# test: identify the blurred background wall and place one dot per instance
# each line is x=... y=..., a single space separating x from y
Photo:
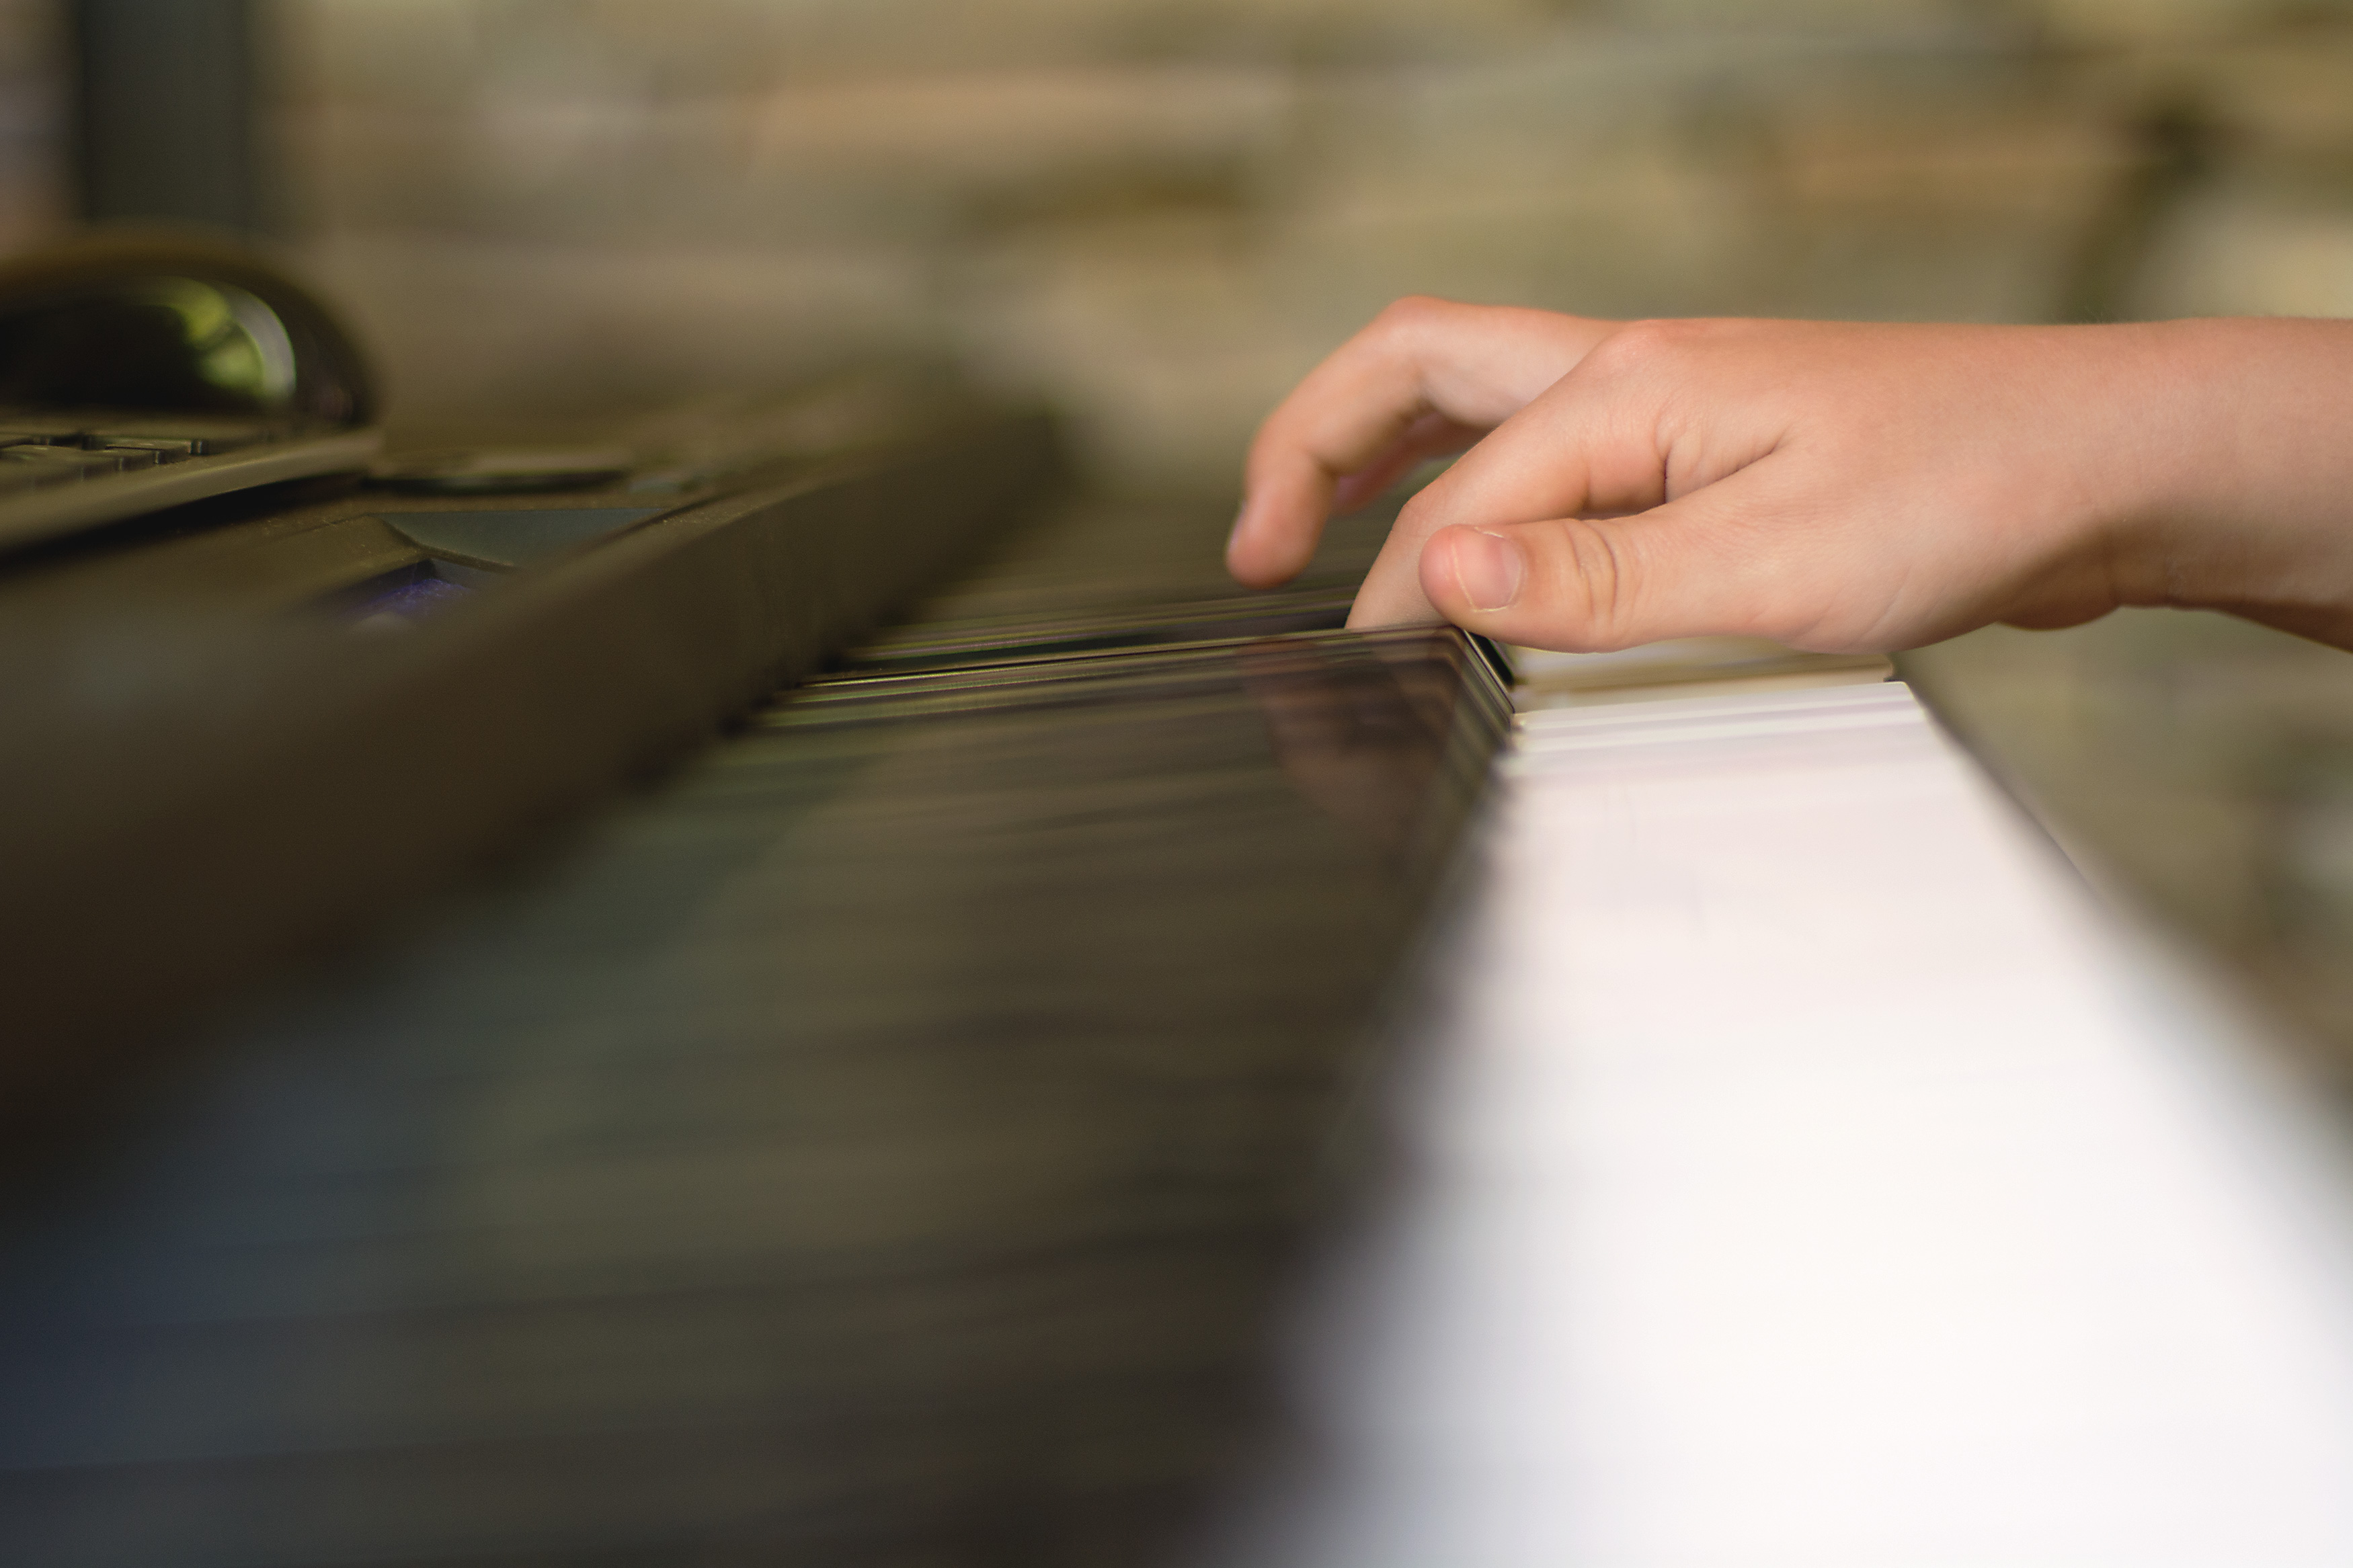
x=1159 y=213
x=36 y=184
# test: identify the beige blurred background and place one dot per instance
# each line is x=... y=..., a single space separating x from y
x=1159 y=213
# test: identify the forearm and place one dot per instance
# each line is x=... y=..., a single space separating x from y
x=2246 y=489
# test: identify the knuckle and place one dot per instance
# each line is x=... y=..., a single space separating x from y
x=1409 y=310
x=1411 y=317
x=1649 y=345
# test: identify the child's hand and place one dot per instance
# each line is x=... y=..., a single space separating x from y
x=1831 y=486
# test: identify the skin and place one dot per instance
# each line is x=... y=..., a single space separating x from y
x=1838 y=487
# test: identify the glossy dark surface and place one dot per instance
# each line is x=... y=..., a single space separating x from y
x=208 y=776
x=880 y=1143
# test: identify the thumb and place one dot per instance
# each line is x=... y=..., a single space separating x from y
x=1690 y=568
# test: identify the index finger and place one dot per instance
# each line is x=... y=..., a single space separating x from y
x=1426 y=376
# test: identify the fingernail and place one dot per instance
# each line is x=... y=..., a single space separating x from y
x=1490 y=568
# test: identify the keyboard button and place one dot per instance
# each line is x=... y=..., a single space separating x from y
x=203 y=437
x=67 y=462
x=158 y=450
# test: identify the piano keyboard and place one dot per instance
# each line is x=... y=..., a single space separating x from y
x=902 y=1133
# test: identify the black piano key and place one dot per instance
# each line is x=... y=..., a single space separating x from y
x=880 y=1144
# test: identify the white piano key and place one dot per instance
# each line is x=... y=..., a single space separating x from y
x=1803 y=1170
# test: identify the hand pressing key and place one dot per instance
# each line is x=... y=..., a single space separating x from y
x=1837 y=486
